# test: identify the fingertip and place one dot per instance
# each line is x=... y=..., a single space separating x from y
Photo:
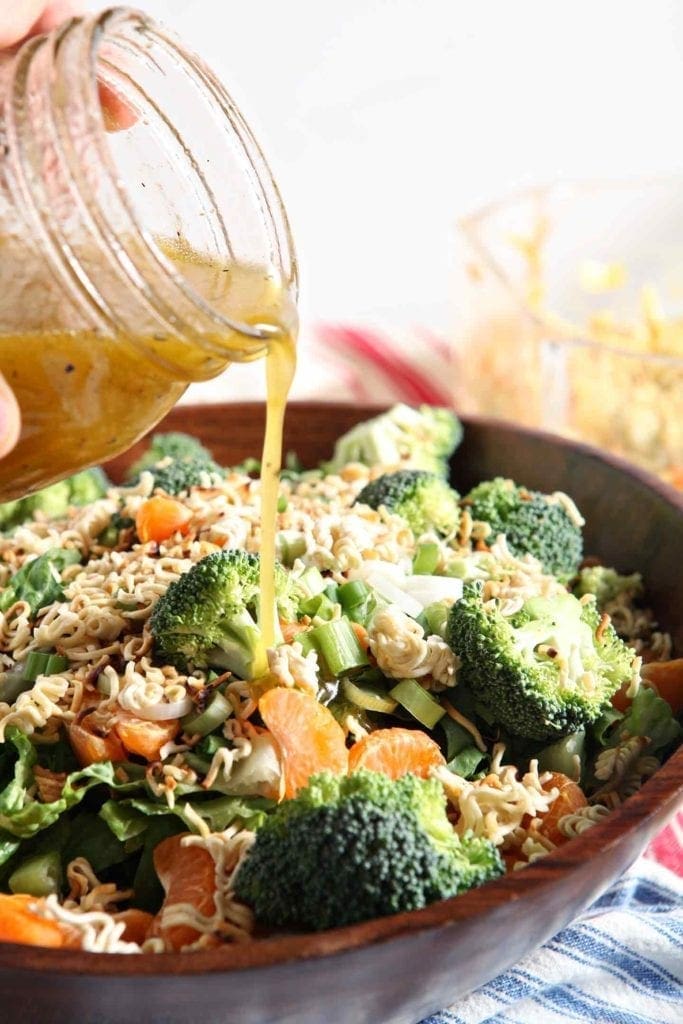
x=10 y=419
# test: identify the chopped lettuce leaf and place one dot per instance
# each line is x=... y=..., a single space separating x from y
x=649 y=716
x=38 y=581
x=20 y=814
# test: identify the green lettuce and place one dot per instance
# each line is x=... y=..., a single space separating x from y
x=38 y=582
x=649 y=716
x=21 y=815
x=129 y=818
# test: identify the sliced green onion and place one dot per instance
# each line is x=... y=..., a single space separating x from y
x=109 y=537
x=457 y=568
x=426 y=559
x=307 y=642
x=311 y=581
x=418 y=702
x=35 y=665
x=369 y=698
x=318 y=607
x=291 y=545
x=339 y=646
x=56 y=663
x=357 y=600
x=103 y=684
x=282 y=503
x=214 y=714
x=353 y=593
x=435 y=618
x=332 y=591
x=40 y=875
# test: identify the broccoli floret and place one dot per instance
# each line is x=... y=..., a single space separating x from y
x=424 y=499
x=607 y=585
x=533 y=523
x=546 y=671
x=88 y=485
x=349 y=848
x=423 y=438
x=209 y=616
x=177 y=462
x=172 y=445
x=53 y=502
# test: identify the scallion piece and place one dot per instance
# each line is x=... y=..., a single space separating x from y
x=40 y=875
x=435 y=618
x=353 y=593
x=339 y=646
x=318 y=607
x=332 y=591
x=35 y=665
x=369 y=698
x=214 y=714
x=426 y=559
x=56 y=664
x=291 y=545
x=418 y=702
x=306 y=640
x=311 y=581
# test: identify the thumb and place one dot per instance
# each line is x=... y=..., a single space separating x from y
x=10 y=418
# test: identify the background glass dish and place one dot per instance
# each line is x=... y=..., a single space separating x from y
x=570 y=307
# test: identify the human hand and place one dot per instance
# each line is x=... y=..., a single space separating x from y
x=22 y=18
x=19 y=19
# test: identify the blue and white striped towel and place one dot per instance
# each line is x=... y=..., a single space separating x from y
x=621 y=963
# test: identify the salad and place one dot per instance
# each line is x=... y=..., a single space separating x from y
x=455 y=692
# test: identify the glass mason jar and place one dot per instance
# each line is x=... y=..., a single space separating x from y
x=143 y=241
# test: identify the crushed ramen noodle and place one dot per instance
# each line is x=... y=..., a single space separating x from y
x=435 y=707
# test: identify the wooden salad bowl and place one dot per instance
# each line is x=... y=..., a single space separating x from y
x=394 y=970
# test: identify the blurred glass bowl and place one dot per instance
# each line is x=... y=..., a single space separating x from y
x=570 y=303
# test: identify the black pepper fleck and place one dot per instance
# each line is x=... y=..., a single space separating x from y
x=69 y=368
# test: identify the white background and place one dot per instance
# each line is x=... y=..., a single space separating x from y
x=384 y=120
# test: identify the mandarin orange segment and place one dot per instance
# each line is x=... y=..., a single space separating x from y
x=90 y=747
x=159 y=518
x=20 y=923
x=188 y=875
x=396 y=752
x=137 y=922
x=142 y=737
x=308 y=736
x=570 y=798
x=666 y=678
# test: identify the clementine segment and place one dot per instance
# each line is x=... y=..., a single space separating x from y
x=137 y=922
x=396 y=752
x=308 y=736
x=570 y=799
x=142 y=737
x=89 y=746
x=188 y=875
x=19 y=923
x=159 y=518
x=666 y=678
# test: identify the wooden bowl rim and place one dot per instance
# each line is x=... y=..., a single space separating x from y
x=631 y=816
